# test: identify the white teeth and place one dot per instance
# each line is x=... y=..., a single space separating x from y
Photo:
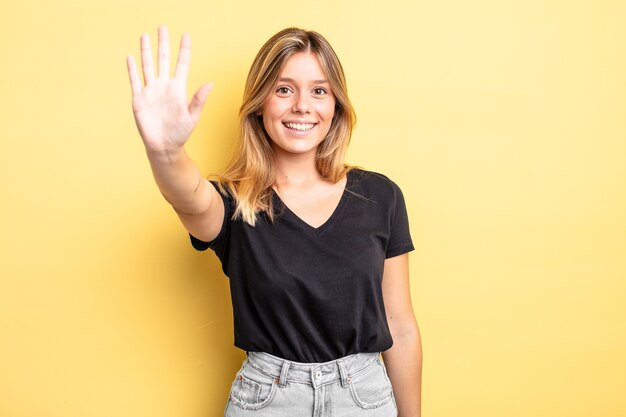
x=300 y=126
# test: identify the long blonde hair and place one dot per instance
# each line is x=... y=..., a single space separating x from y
x=250 y=174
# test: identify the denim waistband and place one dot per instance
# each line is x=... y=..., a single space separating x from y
x=316 y=374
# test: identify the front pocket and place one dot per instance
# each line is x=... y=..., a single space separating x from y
x=371 y=388
x=252 y=390
x=246 y=391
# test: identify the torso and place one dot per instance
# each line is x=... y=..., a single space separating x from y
x=314 y=294
x=313 y=204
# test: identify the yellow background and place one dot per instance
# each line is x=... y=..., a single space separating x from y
x=503 y=122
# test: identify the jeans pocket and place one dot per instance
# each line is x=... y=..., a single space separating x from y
x=252 y=389
x=371 y=388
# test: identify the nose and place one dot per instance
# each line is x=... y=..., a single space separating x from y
x=301 y=103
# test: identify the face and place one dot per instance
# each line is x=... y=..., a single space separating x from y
x=298 y=114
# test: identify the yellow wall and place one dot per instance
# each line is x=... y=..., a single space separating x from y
x=503 y=122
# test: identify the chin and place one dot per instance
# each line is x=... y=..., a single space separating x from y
x=296 y=149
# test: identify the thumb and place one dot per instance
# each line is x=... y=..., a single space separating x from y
x=198 y=100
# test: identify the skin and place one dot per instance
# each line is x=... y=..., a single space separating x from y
x=303 y=96
x=404 y=359
x=165 y=120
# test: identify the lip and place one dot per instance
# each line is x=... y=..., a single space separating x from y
x=307 y=122
x=299 y=132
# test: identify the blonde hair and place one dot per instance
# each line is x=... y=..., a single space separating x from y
x=250 y=174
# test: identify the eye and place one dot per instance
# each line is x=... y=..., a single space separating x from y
x=283 y=91
x=319 y=91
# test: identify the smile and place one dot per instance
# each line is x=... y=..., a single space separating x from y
x=301 y=127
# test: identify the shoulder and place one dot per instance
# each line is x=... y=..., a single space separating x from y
x=373 y=182
x=224 y=189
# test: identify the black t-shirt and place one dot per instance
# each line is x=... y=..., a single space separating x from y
x=314 y=294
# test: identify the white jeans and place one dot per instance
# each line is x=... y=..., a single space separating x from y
x=268 y=386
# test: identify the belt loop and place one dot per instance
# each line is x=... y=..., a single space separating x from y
x=282 y=381
x=344 y=373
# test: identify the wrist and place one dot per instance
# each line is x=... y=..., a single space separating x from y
x=166 y=154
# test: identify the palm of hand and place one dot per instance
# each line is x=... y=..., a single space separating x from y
x=164 y=118
x=162 y=115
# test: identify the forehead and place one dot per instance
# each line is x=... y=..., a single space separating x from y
x=303 y=66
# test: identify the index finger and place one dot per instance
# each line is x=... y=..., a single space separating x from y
x=184 y=57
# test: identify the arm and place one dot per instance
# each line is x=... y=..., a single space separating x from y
x=404 y=359
x=165 y=121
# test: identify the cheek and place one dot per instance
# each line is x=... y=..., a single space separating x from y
x=268 y=115
x=269 y=106
x=269 y=127
x=327 y=109
x=329 y=112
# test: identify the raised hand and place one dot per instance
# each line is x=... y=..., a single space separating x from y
x=163 y=116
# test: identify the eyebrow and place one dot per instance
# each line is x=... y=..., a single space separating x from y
x=291 y=80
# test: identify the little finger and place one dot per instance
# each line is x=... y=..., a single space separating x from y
x=135 y=81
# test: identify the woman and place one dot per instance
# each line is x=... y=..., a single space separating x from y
x=316 y=251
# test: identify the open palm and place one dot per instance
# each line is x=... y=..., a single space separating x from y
x=163 y=116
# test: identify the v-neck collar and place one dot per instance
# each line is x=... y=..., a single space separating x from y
x=286 y=212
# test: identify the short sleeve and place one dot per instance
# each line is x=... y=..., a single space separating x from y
x=400 y=235
x=220 y=244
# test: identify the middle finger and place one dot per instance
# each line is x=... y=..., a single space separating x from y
x=164 y=53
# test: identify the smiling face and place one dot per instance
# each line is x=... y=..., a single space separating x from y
x=298 y=113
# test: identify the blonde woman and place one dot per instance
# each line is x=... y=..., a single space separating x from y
x=316 y=251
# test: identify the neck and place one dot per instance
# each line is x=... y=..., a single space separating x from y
x=296 y=169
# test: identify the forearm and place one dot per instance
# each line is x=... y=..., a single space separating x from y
x=180 y=181
x=404 y=367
